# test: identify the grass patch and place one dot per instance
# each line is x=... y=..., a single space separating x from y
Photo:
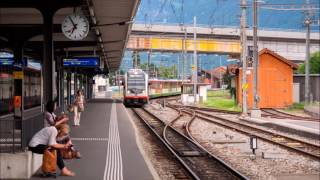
x=295 y=107
x=221 y=100
x=300 y=106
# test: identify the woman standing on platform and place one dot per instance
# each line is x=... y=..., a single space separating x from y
x=78 y=107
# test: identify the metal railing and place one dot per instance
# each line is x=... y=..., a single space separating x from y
x=15 y=133
x=10 y=135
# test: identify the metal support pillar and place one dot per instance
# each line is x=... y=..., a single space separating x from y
x=148 y=63
x=86 y=87
x=81 y=82
x=75 y=82
x=307 y=23
x=195 y=63
x=243 y=37
x=178 y=67
x=18 y=90
x=18 y=78
x=47 y=65
x=255 y=54
x=61 y=84
x=135 y=65
x=184 y=61
x=69 y=87
x=255 y=112
x=89 y=87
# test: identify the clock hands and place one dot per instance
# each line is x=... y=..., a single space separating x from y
x=73 y=29
x=72 y=21
x=74 y=25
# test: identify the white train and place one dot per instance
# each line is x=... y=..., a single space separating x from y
x=135 y=90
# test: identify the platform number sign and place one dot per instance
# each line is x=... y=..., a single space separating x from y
x=75 y=27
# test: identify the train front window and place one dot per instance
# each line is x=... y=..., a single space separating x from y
x=136 y=83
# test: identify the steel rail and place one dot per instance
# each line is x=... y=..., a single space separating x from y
x=167 y=146
x=184 y=159
x=282 y=115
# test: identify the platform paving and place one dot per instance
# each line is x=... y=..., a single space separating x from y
x=107 y=142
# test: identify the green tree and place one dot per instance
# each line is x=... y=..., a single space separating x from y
x=168 y=72
x=314 y=64
x=152 y=67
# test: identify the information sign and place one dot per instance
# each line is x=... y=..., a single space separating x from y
x=6 y=61
x=81 y=62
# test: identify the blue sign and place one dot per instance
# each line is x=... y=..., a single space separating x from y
x=9 y=61
x=81 y=62
x=6 y=61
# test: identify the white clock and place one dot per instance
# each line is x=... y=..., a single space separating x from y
x=75 y=27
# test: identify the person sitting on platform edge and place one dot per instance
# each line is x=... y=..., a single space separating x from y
x=45 y=138
x=52 y=120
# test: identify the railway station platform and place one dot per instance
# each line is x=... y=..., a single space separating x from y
x=107 y=142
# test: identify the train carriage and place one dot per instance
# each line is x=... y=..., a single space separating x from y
x=164 y=87
x=135 y=88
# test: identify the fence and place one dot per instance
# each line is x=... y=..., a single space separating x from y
x=314 y=86
x=15 y=133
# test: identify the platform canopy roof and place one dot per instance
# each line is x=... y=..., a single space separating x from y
x=110 y=25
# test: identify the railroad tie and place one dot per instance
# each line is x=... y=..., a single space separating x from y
x=192 y=153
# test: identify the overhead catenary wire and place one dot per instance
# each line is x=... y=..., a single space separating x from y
x=211 y=19
x=161 y=8
x=173 y=10
x=182 y=12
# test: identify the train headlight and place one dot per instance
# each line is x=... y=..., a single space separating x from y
x=128 y=92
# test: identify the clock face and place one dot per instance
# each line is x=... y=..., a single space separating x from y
x=75 y=27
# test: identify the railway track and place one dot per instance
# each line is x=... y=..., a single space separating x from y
x=292 y=144
x=206 y=109
x=266 y=112
x=198 y=162
x=282 y=115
